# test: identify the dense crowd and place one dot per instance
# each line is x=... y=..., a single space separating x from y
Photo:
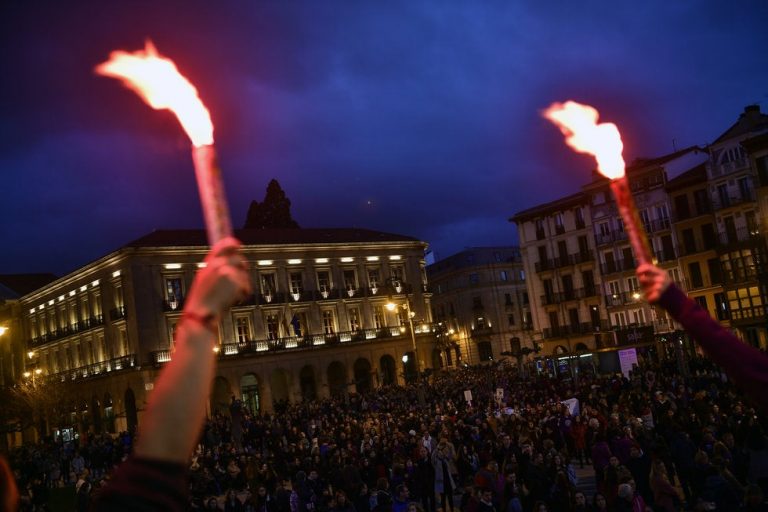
x=658 y=441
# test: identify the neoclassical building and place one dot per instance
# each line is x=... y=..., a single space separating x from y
x=317 y=324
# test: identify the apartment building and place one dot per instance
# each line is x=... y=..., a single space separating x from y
x=317 y=325
x=732 y=178
x=482 y=305
x=558 y=250
x=701 y=210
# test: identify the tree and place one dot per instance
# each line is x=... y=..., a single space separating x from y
x=273 y=212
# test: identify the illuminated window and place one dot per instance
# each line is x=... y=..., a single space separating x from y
x=243 y=329
x=272 y=327
x=354 y=319
x=296 y=283
x=329 y=324
x=378 y=317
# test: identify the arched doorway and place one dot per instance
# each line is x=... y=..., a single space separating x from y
x=109 y=414
x=387 y=367
x=337 y=378
x=221 y=395
x=307 y=383
x=363 y=375
x=131 y=417
x=410 y=370
x=279 y=385
x=98 y=427
x=485 y=351
x=581 y=347
x=437 y=359
x=249 y=389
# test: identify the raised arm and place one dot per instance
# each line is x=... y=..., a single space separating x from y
x=744 y=364
x=177 y=405
x=154 y=477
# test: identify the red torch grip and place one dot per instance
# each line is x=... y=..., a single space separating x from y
x=218 y=223
x=632 y=224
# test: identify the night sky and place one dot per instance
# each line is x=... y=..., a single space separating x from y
x=415 y=117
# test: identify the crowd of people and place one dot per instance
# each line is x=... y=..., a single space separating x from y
x=657 y=441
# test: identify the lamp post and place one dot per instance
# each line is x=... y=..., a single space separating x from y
x=391 y=306
x=3 y=330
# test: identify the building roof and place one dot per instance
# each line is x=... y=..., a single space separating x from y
x=751 y=120
x=15 y=285
x=197 y=237
x=643 y=163
x=693 y=176
x=553 y=206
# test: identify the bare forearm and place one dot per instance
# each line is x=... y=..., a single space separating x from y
x=177 y=405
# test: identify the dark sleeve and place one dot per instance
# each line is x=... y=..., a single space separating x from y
x=746 y=365
x=145 y=485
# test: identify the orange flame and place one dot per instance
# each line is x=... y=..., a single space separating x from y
x=579 y=125
x=157 y=80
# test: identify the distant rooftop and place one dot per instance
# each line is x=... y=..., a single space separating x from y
x=750 y=121
x=197 y=237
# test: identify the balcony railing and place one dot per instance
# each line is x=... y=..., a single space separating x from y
x=117 y=313
x=351 y=292
x=69 y=330
x=738 y=237
x=658 y=225
x=666 y=255
x=568 y=295
x=719 y=203
x=96 y=369
x=566 y=261
x=623 y=298
x=610 y=237
x=622 y=265
x=575 y=330
x=311 y=341
x=729 y=167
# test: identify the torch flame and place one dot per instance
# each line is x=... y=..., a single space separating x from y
x=579 y=125
x=157 y=80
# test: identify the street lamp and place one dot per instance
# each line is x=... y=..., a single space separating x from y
x=391 y=306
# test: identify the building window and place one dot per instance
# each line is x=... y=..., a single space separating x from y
x=174 y=292
x=474 y=278
x=103 y=347
x=695 y=272
x=702 y=302
x=297 y=286
x=350 y=280
x=508 y=299
x=329 y=324
x=273 y=327
x=243 y=329
x=503 y=275
x=715 y=272
x=268 y=284
x=477 y=303
x=373 y=278
x=559 y=226
x=324 y=283
x=579 y=214
x=125 y=349
x=497 y=257
x=485 y=351
x=354 y=319
x=522 y=275
x=398 y=274
x=721 y=305
x=172 y=324
x=378 y=317
x=511 y=319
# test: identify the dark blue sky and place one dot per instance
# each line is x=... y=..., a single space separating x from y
x=416 y=117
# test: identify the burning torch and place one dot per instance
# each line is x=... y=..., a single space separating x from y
x=582 y=132
x=158 y=82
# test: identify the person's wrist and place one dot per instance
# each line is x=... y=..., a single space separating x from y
x=205 y=319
